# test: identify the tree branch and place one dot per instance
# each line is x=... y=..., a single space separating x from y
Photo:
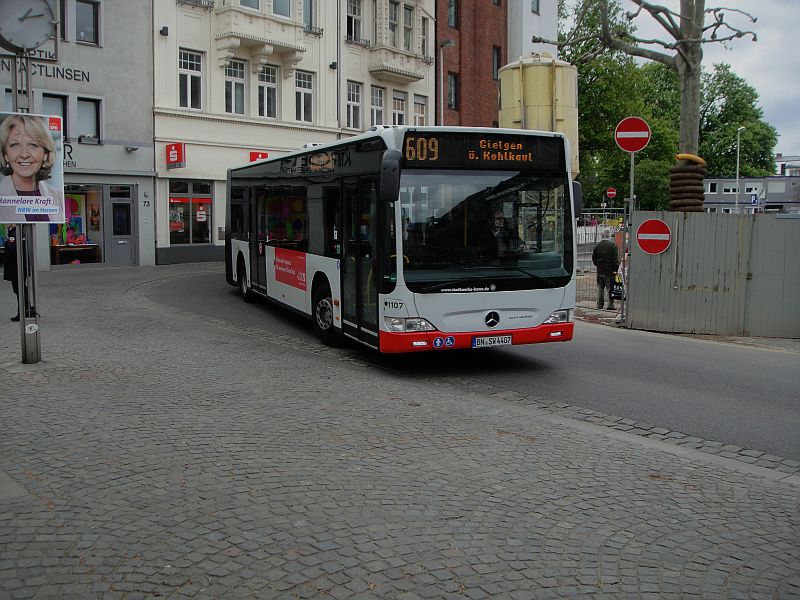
x=617 y=44
x=671 y=21
x=662 y=14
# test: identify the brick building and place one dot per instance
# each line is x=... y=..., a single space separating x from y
x=472 y=43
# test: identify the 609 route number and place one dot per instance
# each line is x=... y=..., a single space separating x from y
x=422 y=148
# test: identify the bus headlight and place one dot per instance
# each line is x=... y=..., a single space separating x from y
x=559 y=316
x=401 y=325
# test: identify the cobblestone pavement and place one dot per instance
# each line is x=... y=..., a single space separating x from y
x=155 y=454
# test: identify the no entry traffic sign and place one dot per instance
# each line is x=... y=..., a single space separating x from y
x=611 y=192
x=653 y=236
x=632 y=134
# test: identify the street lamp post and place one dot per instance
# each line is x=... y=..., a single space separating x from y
x=445 y=44
x=738 y=138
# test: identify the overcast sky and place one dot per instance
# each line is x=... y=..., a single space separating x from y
x=771 y=65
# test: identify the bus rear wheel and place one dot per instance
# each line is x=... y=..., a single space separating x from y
x=322 y=317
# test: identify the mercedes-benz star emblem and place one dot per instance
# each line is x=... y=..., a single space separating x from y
x=492 y=319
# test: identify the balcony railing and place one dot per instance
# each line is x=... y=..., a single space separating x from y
x=311 y=30
x=204 y=4
x=350 y=39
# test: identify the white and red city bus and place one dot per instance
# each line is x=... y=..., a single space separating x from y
x=412 y=238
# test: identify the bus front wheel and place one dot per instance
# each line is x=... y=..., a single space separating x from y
x=322 y=317
x=244 y=289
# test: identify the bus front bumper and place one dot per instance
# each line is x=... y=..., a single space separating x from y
x=438 y=340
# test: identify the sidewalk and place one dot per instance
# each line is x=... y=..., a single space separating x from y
x=611 y=318
x=155 y=454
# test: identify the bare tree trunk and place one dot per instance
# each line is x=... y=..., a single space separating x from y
x=690 y=107
x=689 y=59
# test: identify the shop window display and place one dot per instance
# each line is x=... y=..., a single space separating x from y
x=190 y=212
x=80 y=238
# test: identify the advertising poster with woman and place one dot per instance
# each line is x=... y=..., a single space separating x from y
x=31 y=165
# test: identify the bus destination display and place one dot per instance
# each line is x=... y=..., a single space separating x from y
x=477 y=150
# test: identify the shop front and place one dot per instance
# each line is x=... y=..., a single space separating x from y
x=99 y=228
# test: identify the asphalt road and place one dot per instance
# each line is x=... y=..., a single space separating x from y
x=740 y=395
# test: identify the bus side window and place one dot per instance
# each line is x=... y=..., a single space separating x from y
x=333 y=221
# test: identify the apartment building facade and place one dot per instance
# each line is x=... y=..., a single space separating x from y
x=776 y=193
x=241 y=80
x=528 y=18
x=97 y=75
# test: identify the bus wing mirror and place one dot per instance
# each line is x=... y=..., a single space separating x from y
x=390 y=175
x=577 y=199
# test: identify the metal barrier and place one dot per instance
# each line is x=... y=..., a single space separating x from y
x=586 y=272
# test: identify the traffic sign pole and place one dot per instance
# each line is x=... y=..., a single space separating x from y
x=628 y=216
x=631 y=135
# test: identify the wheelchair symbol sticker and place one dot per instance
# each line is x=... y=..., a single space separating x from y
x=449 y=341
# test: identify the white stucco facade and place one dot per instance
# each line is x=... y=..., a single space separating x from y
x=226 y=83
x=527 y=18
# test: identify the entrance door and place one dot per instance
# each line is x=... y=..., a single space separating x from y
x=359 y=263
x=258 y=256
x=121 y=247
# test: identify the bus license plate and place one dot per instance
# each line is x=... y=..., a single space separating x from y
x=492 y=340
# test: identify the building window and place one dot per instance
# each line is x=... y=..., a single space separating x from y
x=309 y=18
x=423 y=48
x=190 y=205
x=399 y=102
x=88 y=118
x=353 y=105
x=408 y=28
x=254 y=4
x=56 y=105
x=282 y=8
x=420 y=108
x=234 y=86
x=268 y=92
x=452 y=91
x=377 y=105
x=62 y=30
x=394 y=18
x=535 y=7
x=87 y=21
x=303 y=96
x=712 y=187
x=452 y=13
x=354 y=20
x=190 y=79
x=496 y=59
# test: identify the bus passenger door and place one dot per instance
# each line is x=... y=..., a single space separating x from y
x=258 y=248
x=359 y=264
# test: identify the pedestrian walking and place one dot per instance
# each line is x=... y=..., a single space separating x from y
x=10 y=265
x=606 y=258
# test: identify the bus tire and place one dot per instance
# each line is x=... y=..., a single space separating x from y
x=322 y=317
x=241 y=277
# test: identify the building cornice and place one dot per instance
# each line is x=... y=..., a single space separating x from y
x=234 y=120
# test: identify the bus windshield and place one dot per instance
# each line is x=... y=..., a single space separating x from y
x=473 y=230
